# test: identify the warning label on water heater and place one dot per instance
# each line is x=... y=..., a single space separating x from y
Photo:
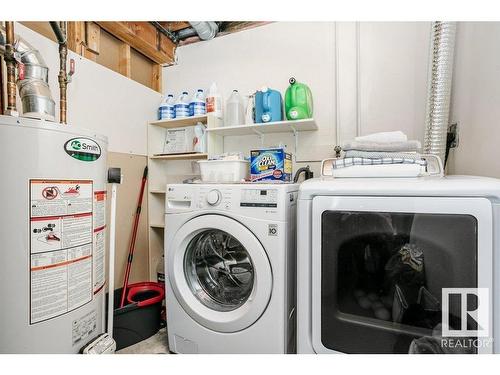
x=61 y=246
x=99 y=240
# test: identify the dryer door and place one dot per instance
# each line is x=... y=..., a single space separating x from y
x=402 y=274
x=219 y=272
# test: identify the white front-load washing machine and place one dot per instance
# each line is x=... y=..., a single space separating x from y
x=230 y=267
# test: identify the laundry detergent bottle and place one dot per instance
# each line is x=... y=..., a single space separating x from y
x=166 y=111
x=197 y=104
x=214 y=101
x=235 y=115
x=268 y=105
x=298 y=101
x=182 y=106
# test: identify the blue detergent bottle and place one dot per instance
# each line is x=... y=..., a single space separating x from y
x=268 y=106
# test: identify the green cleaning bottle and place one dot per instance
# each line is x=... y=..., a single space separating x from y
x=298 y=101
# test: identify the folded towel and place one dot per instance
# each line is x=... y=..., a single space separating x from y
x=349 y=162
x=383 y=137
x=381 y=154
x=383 y=170
x=407 y=146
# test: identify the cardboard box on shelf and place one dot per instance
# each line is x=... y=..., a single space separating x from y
x=272 y=164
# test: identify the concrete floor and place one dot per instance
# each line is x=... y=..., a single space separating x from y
x=156 y=344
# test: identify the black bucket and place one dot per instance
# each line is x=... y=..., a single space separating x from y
x=140 y=318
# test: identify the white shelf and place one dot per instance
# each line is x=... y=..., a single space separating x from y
x=266 y=128
x=180 y=122
x=193 y=156
x=168 y=169
x=157 y=225
x=155 y=191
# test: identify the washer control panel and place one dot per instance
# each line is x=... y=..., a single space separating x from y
x=214 y=197
x=266 y=198
x=264 y=201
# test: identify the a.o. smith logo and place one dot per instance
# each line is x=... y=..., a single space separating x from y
x=84 y=149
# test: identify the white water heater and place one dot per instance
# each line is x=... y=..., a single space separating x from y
x=53 y=235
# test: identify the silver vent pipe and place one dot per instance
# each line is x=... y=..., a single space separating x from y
x=33 y=85
x=441 y=56
x=205 y=30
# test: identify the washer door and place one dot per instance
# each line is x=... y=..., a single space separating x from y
x=219 y=272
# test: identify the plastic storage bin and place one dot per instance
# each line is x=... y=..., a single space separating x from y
x=224 y=170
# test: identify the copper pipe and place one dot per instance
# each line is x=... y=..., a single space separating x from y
x=10 y=62
x=33 y=86
x=60 y=31
x=1 y=87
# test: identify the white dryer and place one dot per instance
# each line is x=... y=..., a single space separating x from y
x=230 y=268
x=399 y=265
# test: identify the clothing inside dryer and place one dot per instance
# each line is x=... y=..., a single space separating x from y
x=383 y=275
x=219 y=270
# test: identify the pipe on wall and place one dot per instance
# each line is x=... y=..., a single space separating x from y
x=33 y=86
x=58 y=32
x=170 y=35
x=10 y=63
x=61 y=33
x=205 y=30
x=441 y=57
x=185 y=33
x=2 y=94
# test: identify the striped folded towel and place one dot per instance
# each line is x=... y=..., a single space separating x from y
x=408 y=146
x=352 y=161
x=382 y=154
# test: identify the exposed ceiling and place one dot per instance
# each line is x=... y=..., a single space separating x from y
x=178 y=28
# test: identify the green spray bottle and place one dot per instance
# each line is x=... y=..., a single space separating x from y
x=298 y=101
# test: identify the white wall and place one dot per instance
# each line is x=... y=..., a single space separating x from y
x=476 y=99
x=365 y=77
x=380 y=70
x=393 y=76
x=267 y=55
x=100 y=99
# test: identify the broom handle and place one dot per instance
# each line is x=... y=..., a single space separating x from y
x=134 y=236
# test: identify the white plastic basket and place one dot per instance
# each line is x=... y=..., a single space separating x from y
x=224 y=170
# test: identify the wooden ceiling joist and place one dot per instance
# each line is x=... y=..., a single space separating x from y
x=175 y=25
x=83 y=38
x=143 y=37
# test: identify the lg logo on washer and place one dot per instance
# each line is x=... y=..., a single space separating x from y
x=84 y=149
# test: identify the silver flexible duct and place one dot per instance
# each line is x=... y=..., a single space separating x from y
x=439 y=87
x=34 y=89
x=205 y=30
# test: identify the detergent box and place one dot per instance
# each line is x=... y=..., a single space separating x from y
x=272 y=164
